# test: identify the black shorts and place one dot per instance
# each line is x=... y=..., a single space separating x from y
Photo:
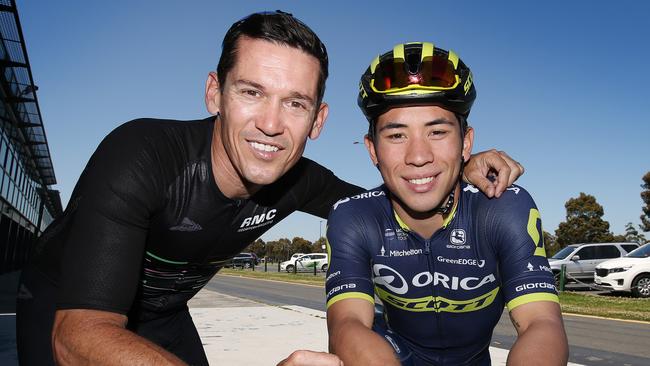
x=35 y=317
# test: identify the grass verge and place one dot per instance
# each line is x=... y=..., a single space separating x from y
x=305 y=278
x=607 y=306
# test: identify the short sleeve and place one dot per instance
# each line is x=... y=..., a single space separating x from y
x=349 y=271
x=518 y=240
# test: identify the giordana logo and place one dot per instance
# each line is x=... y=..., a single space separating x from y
x=361 y=196
x=256 y=221
x=332 y=275
x=395 y=282
x=462 y=261
x=535 y=286
x=458 y=237
x=347 y=286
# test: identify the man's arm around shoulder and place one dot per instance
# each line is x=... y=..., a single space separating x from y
x=93 y=337
x=349 y=324
x=541 y=337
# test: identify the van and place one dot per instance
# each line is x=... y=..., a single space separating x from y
x=630 y=273
x=581 y=259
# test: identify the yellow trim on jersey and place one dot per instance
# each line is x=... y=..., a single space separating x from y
x=538 y=239
x=401 y=223
x=528 y=298
x=329 y=250
x=451 y=215
x=446 y=222
x=436 y=303
x=350 y=295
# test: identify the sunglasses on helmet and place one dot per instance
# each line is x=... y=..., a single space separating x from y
x=405 y=71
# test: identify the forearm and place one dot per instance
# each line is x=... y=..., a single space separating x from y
x=542 y=343
x=356 y=344
x=107 y=344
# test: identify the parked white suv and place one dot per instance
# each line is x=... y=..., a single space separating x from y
x=581 y=259
x=306 y=262
x=630 y=273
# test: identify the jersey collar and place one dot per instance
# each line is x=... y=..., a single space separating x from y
x=449 y=218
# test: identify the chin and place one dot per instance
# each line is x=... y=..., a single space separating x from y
x=263 y=176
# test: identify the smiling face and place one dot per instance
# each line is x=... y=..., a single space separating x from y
x=267 y=111
x=418 y=152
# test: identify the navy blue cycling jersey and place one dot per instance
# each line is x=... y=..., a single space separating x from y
x=442 y=295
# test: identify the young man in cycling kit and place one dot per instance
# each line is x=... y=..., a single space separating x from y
x=443 y=258
x=163 y=204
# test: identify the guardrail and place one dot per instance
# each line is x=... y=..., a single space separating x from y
x=269 y=266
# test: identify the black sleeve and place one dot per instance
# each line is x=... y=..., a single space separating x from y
x=109 y=217
x=318 y=188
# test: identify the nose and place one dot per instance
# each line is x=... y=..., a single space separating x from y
x=269 y=120
x=418 y=152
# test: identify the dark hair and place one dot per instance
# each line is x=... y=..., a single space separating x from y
x=277 y=27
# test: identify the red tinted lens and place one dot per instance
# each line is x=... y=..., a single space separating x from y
x=437 y=71
x=390 y=74
x=434 y=71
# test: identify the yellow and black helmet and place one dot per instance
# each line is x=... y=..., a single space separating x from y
x=416 y=74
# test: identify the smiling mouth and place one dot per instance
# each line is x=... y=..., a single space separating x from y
x=419 y=181
x=263 y=147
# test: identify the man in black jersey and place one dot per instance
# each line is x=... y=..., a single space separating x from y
x=163 y=204
x=443 y=258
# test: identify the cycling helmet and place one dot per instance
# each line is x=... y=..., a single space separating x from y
x=416 y=74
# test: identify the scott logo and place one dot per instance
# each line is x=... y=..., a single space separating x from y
x=258 y=219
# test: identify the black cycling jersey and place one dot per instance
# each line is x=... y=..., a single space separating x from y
x=442 y=295
x=147 y=227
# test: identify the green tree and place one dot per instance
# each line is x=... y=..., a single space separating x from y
x=317 y=247
x=645 y=196
x=584 y=222
x=632 y=235
x=258 y=247
x=279 y=250
x=300 y=245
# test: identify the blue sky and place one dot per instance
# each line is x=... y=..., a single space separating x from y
x=562 y=86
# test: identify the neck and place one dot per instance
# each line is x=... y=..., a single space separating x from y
x=226 y=176
x=424 y=224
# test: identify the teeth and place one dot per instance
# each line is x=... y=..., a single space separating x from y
x=421 y=180
x=264 y=147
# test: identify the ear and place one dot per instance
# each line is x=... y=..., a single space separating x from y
x=370 y=145
x=319 y=121
x=468 y=142
x=212 y=94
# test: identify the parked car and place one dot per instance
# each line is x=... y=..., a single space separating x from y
x=581 y=259
x=630 y=273
x=295 y=256
x=244 y=260
x=306 y=262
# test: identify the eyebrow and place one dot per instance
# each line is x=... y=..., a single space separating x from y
x=437 y=121
x=293 y=94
